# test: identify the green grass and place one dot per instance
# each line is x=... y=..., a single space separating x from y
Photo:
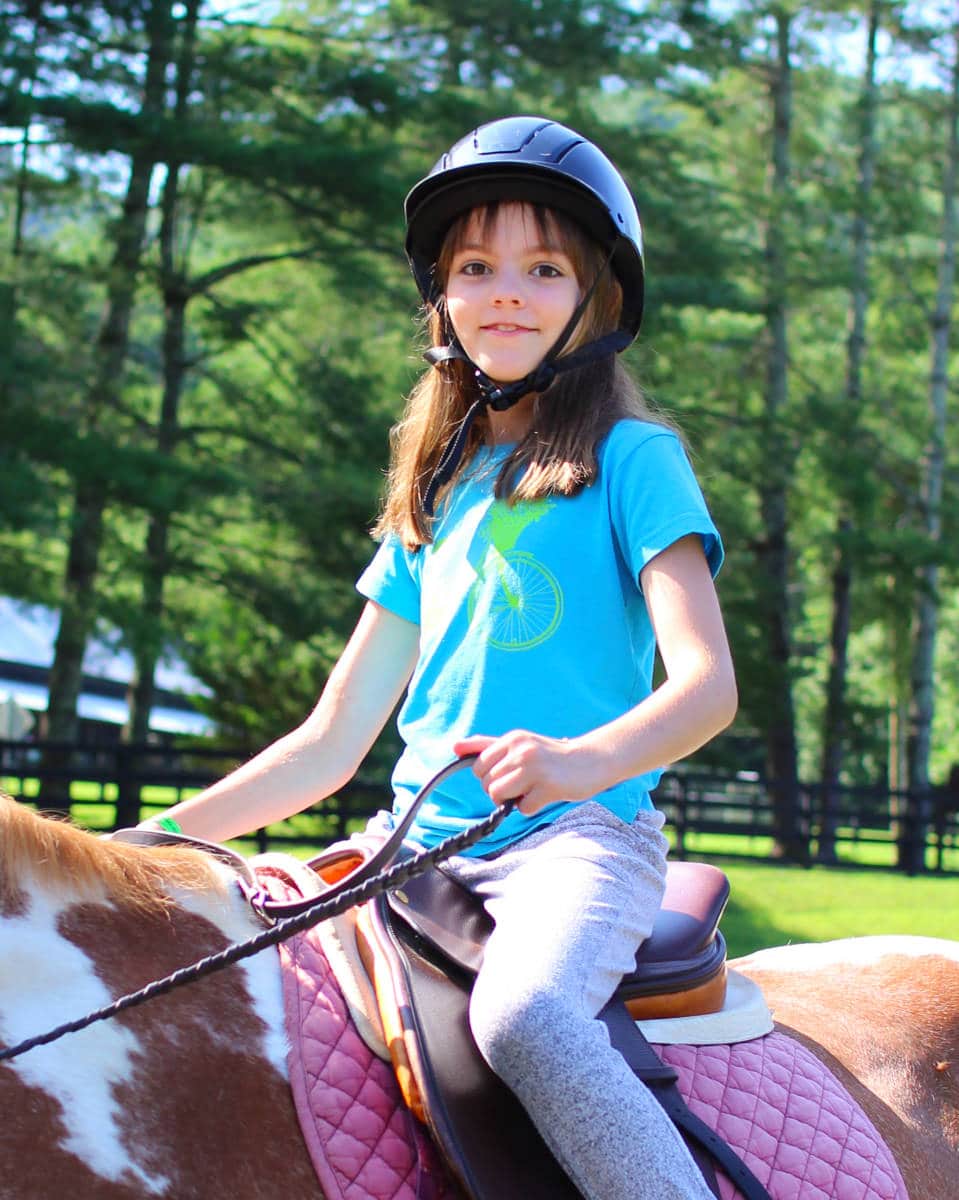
x=94 y=794
x=772 y=905
x=317 y=830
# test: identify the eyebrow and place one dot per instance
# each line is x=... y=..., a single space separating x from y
x=481 y=247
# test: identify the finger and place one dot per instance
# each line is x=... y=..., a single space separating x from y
x=527 y=802
x=493 y=754
x=474 y=744
x=505 y=785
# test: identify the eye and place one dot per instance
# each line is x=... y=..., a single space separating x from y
x=547 y=271
x=473 y=267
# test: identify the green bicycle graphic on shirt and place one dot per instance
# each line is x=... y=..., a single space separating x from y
x=519 y=597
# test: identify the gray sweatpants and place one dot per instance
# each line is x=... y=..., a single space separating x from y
x=571 y=903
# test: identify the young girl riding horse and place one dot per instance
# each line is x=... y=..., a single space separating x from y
x=542 y=536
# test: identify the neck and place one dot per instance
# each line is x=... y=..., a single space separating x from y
x=513 y=424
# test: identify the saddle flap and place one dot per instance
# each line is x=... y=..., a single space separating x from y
x=684 y=951
x=484 y=1133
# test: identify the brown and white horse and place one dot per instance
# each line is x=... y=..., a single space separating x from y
x=187 y=1096
x=883 y=1014
x=183 y=1097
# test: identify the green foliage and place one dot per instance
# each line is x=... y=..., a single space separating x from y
x=258 y=438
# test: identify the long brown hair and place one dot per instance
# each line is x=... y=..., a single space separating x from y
x=569 y=420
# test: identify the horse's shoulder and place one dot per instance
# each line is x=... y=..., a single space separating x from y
x=135 y=1105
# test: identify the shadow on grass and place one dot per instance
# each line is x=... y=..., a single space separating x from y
x=747 y=929
x=748 y=923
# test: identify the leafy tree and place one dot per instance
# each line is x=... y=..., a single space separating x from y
x=848 y=485
x=794 y=214
x=932 y=479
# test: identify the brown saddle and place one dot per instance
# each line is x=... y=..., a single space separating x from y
x=422 y=945
x=680 y=969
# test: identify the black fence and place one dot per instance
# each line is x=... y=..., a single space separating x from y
x=907 y=832
x=134 y=780
x=841 y=826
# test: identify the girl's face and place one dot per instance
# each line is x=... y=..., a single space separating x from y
x=510 y=290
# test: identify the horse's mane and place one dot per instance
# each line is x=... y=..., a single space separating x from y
x=61 y=856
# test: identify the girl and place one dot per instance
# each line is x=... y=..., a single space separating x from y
x=541 y=537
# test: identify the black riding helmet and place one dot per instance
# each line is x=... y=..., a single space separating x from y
x=537 y=161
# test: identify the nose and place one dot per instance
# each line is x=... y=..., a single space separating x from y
x=507 y=290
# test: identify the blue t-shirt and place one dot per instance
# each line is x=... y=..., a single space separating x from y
x=531 y=617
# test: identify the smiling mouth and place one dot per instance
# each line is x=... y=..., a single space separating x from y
x=503 y=327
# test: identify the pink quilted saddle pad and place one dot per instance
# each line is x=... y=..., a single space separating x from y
x=792 y=1122
x=797 y=1128
x=363 y=1141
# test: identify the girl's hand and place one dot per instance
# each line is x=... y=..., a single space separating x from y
x=538 y=770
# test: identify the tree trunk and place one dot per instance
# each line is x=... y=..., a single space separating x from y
x=9 y=288
x=922 y=710
x=148 y=637
x=791 y=837
x=78 y=606
x=834 y=722
x=147 y=632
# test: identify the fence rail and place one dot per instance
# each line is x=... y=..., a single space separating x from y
x=58 y=776
x=132 y=779
x=848 y=819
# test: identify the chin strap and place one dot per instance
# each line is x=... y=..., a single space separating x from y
x=500 y=397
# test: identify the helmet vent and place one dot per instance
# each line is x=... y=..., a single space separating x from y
x=511 y=138
x=557 y=154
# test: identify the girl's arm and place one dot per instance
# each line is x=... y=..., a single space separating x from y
x=696 y=700
x=319 y=756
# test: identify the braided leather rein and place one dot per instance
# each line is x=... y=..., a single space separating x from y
x=333 y=903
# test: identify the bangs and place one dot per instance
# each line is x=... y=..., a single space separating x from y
x=554 y=230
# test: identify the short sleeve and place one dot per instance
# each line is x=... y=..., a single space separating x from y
x=392 y=580
x=654 y=496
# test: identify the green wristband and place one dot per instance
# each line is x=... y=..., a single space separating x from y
x=168 y=824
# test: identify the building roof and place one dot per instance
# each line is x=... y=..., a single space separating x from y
x=27 y=636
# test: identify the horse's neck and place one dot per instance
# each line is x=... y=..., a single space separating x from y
x=135 y=1105
x=66 y=955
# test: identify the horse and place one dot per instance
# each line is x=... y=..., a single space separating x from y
x=188 y=1095
x=882 y=1013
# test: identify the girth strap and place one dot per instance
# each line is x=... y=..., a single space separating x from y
x=705 y=1145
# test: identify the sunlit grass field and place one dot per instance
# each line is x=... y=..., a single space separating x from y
x=770 y=904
